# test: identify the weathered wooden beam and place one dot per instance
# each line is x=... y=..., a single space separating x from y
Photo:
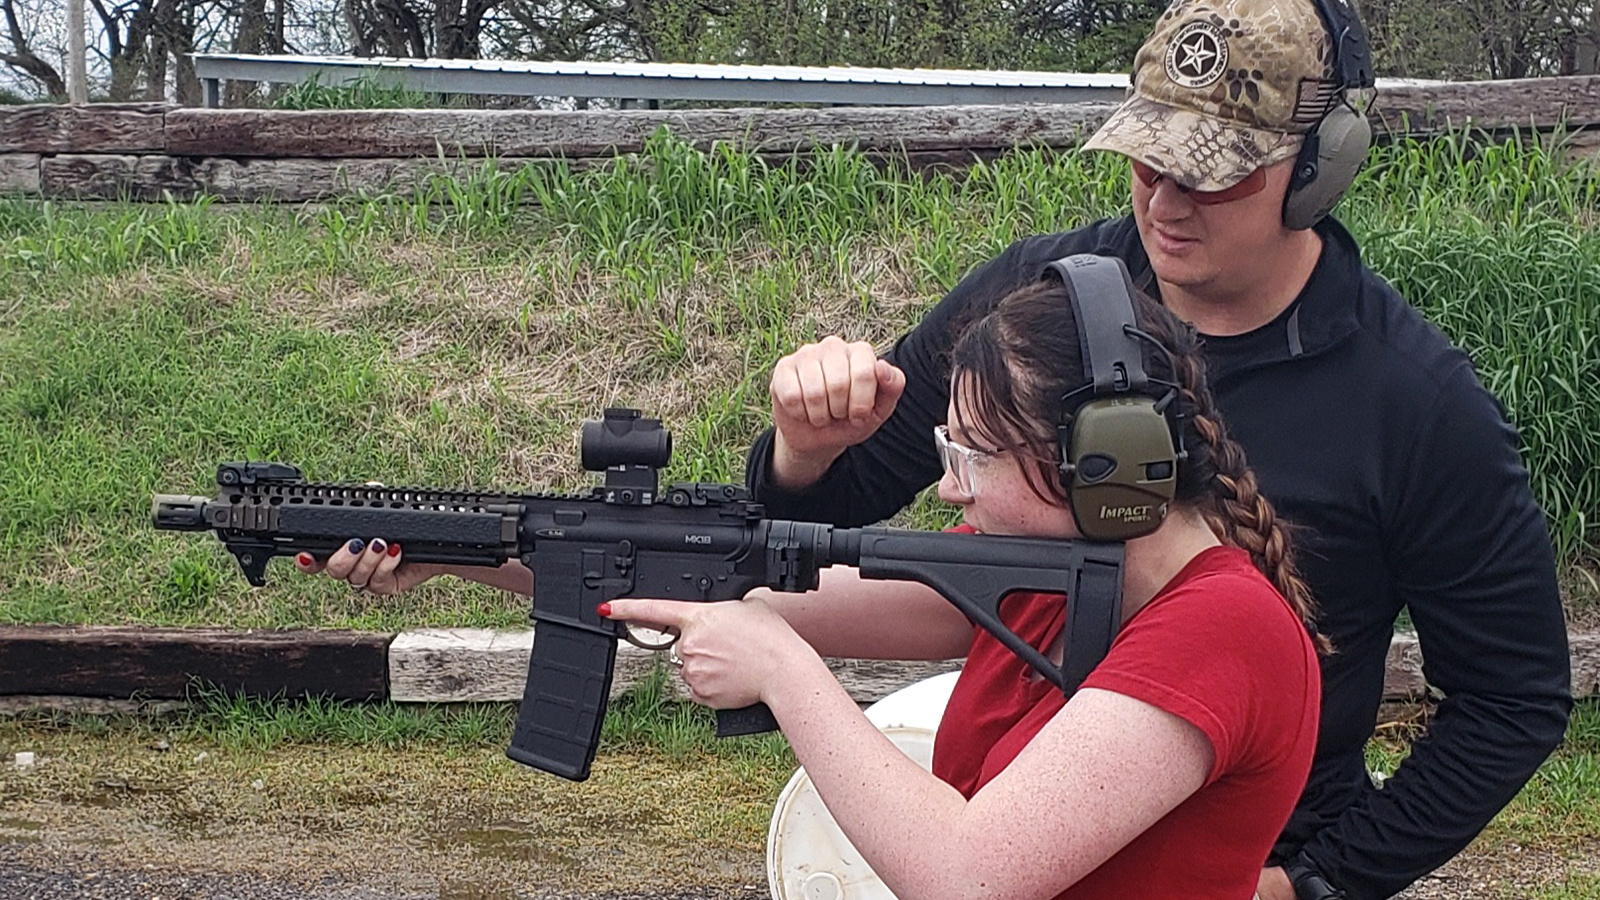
x=19 y=173
x=1403 y=678
x=299 y=180
x=114 y=177
x=1585 y=649
x=430 y=665
x=1537 y=103
x=97 y=128
x=17 y=704
x=571 y=134
x=1577 y=145
x=166 y=662
x=455 y=665
x=101 y=129
x=1542 y=103
x=95 y=176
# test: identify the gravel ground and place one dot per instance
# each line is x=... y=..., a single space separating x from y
x=88 y=877
x=26 y=874
x=106 y=818
x=1509 y=871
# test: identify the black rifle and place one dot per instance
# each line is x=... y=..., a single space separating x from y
x=696 y=541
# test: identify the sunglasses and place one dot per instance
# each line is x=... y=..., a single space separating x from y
x=960 y=462
x=1252 y=184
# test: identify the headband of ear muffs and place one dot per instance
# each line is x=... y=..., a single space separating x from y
x=1119 y=449
x=1336 y=146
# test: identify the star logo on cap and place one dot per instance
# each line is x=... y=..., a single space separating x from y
x=1197 y=55
x=1193 y=56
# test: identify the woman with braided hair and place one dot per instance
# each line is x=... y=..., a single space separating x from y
x=1168 y=773
x=1027 y=350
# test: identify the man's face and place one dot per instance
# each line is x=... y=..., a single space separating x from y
x=1200 y=246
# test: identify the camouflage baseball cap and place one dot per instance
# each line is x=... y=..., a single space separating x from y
x=1223 y=87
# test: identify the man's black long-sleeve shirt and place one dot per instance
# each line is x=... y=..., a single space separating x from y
x=1371 y=432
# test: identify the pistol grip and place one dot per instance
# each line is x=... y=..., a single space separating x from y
x=754 y=719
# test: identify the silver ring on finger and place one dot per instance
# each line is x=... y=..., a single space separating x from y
x=673 y=658
x=358 y=588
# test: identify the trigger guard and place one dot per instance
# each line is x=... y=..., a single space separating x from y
x=628 y=635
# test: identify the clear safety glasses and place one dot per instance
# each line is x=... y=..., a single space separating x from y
x=960 y=462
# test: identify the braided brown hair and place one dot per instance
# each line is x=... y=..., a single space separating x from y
x=1018 y=362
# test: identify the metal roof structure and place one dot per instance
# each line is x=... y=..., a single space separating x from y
x=838 y=85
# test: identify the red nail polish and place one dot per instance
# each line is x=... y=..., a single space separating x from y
x=304 y=559
x=394 y=549
x=604 y=610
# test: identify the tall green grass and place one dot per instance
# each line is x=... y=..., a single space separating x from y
x=1497 y=246
x=455 y=333
x=364 y=92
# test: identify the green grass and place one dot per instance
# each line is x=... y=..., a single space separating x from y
x=645 y=716
x=365 y=92
x=1556 y=815
x=1497 y=247
x=456 y=334
x=1563 y=798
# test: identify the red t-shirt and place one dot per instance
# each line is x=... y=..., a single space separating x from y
x=1218 y=647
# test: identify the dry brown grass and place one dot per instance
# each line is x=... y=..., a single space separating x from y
x=553 y=338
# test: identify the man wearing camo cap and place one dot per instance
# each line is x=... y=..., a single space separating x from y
x=1221 y=90
x=1365 y=426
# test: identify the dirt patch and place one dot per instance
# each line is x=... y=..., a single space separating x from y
x=148 y=818
x=418 y=821
x=1508 y=870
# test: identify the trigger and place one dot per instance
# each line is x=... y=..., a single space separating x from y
x=649 y=638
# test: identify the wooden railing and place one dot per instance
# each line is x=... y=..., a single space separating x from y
x=147 y=152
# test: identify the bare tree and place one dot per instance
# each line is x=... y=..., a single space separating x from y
x=559 y=29
x=386 y=28
x=1512 y=33
x=1469 y=39
x=256 y=29
x=23 y=58
x=457 y=26
x=127 y=28
x=1578 y=39
x=171 y=41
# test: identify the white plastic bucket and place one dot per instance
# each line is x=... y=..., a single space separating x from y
x=919 y=705
x=808 y=857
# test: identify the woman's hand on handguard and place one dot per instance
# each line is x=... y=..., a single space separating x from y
x=827 y=397
x=375 y=565
x=730 y=651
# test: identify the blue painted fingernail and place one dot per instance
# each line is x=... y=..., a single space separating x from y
x=355 y=545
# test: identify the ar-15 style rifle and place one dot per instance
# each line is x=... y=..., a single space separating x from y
x=626 y=538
